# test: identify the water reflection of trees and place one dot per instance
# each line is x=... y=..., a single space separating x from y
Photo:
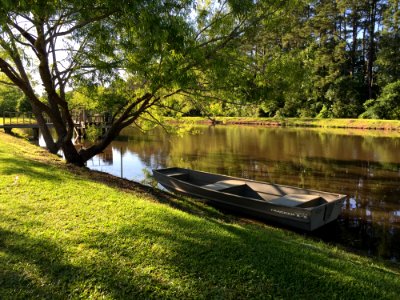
x=365 y=168
x=102 y=159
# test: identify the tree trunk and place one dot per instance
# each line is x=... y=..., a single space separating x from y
x=371 y=49
x=111 y=134
x=353 y=55
x=44 y=129
x=71 y=155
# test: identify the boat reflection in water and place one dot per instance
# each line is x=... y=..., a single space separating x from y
x=364 y=165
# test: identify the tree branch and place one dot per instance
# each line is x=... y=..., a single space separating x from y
x=155 y=120
x=23 y=32
x=125 y=118
x=82 y=24
x=24 y=86
x=8 y=83
x=213 y=22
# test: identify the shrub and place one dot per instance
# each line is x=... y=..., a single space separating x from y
x=386 y=106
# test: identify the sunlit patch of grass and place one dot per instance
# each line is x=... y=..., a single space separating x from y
x=66 y=232
x=393 y=125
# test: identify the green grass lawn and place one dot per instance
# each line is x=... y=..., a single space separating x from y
x=304 y=122
x=71 y=233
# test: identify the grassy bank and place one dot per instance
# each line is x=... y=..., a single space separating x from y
x=303 y=122
x=71 y=233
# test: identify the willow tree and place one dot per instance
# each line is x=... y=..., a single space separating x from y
x=163 y=47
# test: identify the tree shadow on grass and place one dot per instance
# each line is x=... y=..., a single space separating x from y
x=39 y=268
x=177 y=257
x=33 y=268
x=33 y=169
x=231 y=262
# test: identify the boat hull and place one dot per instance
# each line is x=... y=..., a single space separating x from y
x=291 y=206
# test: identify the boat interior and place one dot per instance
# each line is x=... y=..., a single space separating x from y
x=271 y=193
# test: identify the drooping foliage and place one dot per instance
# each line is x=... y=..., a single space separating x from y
x=128 y=56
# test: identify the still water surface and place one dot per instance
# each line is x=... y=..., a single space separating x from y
x=366 y=167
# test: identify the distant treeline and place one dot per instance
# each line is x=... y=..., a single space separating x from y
x=327 y=59
x=322 y=59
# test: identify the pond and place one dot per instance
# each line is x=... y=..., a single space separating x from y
x=365 y=165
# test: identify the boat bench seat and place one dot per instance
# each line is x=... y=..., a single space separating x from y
x=178 y=175
x=223 y=184
x=292 y=200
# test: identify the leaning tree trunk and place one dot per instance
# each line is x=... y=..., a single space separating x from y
x=64 y=127
x=71 y=155
x=44 y=129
